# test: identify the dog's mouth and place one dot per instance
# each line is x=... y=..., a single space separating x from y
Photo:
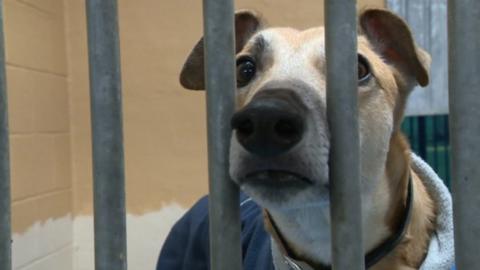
x=276 y=179
x=273 y=188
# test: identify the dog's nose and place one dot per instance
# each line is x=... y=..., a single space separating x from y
x=271 y=124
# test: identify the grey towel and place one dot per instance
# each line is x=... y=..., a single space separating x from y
x=440 y=254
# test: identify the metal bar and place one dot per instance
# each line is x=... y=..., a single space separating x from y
x=107 y=135
x=5 y=210
x=464 y=82
x=224 y=210
x=342 y=112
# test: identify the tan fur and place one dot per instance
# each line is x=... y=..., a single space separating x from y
x=411 y=252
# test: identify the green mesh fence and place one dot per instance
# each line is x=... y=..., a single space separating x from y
x=428 y=136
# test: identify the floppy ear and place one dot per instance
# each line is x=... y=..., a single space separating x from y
x=247 y=23
x=392 y=39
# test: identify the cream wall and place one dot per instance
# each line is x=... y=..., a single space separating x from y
x=165 y=144
x=37 y=81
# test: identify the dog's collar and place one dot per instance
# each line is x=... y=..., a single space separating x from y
x=371 y=258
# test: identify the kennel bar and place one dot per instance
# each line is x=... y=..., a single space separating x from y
x=464 y=102
x=5 y=209
x=224 y=209
x=107 y=135
x=342 y=114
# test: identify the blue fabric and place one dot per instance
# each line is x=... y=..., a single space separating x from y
x=186 y=247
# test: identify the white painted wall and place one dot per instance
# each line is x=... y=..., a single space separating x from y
x=145 y=235
x=44 y=246
x=67 y=244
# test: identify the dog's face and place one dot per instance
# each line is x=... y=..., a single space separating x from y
x=281 y=141
x=290 y=66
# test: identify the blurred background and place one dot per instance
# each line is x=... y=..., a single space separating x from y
x=164 y=125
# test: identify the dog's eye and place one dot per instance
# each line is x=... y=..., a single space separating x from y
x=246 y=70
x=363 y=69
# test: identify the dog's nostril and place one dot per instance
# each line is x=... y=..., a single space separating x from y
x=245 y=127
x=285 y=129
x=288 y=129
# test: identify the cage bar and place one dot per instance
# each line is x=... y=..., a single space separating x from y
x=5 y=210
x=107 y=135
x=342 y=113
x=224 y=210
x=464 y=102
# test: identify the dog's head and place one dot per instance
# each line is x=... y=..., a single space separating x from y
x=280 y=144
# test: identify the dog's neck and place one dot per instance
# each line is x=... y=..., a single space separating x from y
x=306 y=231
x=301 y=231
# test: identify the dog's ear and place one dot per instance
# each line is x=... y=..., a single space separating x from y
x=247 y=22
x=392 y=39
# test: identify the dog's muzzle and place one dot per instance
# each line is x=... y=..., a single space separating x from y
x=272 y=123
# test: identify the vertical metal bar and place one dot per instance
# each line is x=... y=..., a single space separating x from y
x=224 y=211
x=342 y=112
x=107 y=135
x=5 y=211
x=464 y=66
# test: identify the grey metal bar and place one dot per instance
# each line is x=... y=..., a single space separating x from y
x=342 y=112
x=5 y=210
x=107 y=135
x=464 y=84
x=224 y=211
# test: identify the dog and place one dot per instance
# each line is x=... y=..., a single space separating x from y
x=280 y=143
